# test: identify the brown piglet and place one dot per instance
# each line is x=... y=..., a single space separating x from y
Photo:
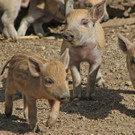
x=84 y=37
x=40 y=12
x=37 y=78
x=129 y=49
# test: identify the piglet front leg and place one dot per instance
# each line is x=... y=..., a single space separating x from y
x=94 y=68
x=55 y=106
x=7 y=19
x=99 y=79
x=77 y=90
x=32 y=113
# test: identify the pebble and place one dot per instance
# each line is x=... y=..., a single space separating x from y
x=128 y=83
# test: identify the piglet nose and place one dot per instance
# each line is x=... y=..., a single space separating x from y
x=68 y=35
x=65 y=97
x=65 y=36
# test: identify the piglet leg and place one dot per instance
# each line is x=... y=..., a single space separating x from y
x=55 y=106
x=25 y=108
x=32 y=113
x=99 y=80
x=38 y=25
x=77 y=92
x=33 y=14
x=7 y=19
x=9 y=93
x=90 y=91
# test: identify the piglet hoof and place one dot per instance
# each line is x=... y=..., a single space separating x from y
x=90 y=97
x=40 y=35
x=25 y=115
x=100 y=83
x=72 y=97
x=76 y=98
x=8 y=113
x=35 y=129
x=86 y=98
x=50 y=123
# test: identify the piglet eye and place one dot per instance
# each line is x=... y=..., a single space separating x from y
x=48 y=81
x=132 y=60
x=84 y=22
x=88 y=5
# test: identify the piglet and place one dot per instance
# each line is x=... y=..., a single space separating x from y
x=129 y=49
x=36 y=78
x=84 y=37
x=40 y=12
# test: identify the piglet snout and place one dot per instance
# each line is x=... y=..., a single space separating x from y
x=65 y=96
x=68 y=35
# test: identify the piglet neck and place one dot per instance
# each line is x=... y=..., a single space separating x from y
x=89 y=45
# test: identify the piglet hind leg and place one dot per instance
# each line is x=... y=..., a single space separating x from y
x=77 y=90
x=9 y=93
x=32 y=113
x=32 y=16
x=90 y=91
x=55 y=106
x=38 y=25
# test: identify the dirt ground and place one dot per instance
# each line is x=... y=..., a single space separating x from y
x=112 y=112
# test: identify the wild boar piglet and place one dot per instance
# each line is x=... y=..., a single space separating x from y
x=36 y=78
x=84 y=37
x=129 y=49
x=40 y=12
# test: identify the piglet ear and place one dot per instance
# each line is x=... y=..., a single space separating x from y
x=98 y=11
x=69 y=6
x=65 y=58
x=34 y=67
x=123 y=43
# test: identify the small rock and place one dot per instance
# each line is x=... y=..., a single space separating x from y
x=128 y=83
x=50 y=37
x=43 y=48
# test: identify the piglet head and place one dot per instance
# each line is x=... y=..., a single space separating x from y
x=80 y=23
x=52 y=76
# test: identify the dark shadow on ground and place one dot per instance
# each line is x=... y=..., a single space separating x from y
x=99 y=108
x=13 y=124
